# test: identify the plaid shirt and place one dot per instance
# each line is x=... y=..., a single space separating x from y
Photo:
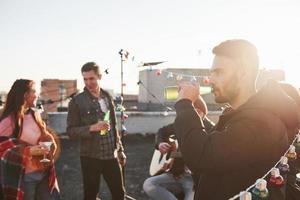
x=85 y=110
x=107 y=141
x=12 y=169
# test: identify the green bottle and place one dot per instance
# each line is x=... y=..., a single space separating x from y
x=106 y=119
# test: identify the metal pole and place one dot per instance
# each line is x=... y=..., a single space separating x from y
x=122 y=116
x=122 y=93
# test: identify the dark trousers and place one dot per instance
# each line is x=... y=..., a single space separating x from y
x=93 y=168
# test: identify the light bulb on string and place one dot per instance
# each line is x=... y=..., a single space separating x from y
x=260 y=190
x=206 y=80
x=120 y=108
x=179 y=77
x=170 y=75
x=158 y=72
x=123 y=130
x=245 y=195
x=125 y=116
x=126 y=54
x=193 y=79
x=292 y=155
x=276 y=180
x=283 y=165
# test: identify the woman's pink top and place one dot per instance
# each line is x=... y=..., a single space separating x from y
x=30 y=134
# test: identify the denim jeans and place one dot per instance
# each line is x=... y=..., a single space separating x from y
x=160 y=187
x=36 y=186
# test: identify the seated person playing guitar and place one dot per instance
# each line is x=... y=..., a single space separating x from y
x=174 y=177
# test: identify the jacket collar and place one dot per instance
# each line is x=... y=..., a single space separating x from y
x=86 y=91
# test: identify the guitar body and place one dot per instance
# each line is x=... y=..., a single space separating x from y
x=159 y=159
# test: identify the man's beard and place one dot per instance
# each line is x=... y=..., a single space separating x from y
x=229 y=93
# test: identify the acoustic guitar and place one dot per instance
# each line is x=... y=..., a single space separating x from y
x=158 y=159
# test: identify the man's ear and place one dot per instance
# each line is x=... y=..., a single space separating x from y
x=244 y=68
x=243 y=74
x=99 y=77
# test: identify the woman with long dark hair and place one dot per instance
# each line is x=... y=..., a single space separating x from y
x=27 y=148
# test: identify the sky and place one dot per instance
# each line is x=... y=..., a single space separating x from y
x=54 y=38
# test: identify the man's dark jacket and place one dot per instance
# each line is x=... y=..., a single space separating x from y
x=83 y=113
x=243 y=146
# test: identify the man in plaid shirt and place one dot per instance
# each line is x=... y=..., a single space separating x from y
x=101 y=150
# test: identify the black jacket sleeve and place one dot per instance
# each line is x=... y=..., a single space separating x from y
x=233 y=147
x=163 y=134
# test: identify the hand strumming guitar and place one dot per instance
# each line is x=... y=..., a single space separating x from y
x=168 y=164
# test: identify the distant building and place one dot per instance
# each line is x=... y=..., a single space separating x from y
x=155 y=86
x=3 y=96
x=130 y=101
x=55 y=94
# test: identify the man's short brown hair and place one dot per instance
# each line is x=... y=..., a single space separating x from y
x=90 y=66
x=240 y=50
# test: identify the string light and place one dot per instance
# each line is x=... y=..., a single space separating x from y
x=158 y=72
x=282 y=162
x=188 y=76
x=193 y=79
x=120 y=108
x=179 y=77
x=260 y=190
x=170 y=75
x=206 y=80
x=125 y=116
x=245 y=195
x=149 y=92
x=283 y=165
x=276 y=179
x=292 y=155
x=124 y=129
x=124 y=53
